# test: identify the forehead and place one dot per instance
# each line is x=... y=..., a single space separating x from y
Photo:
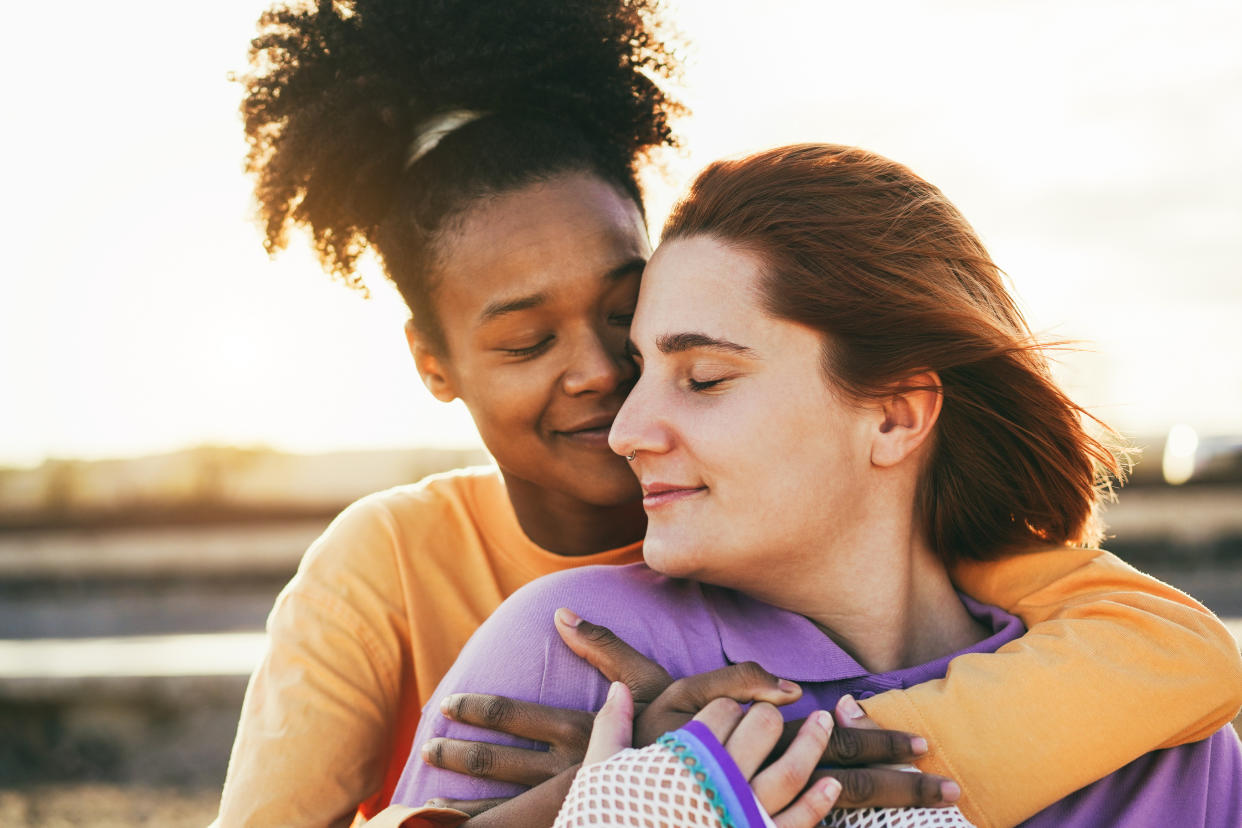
x=547 y=236
x=700 y=283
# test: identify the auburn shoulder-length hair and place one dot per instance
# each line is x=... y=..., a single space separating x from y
x=862 y=249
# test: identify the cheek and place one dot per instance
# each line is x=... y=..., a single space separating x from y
x=788 y=463
x=507 y=425
x=752 y=452
x=507 y=397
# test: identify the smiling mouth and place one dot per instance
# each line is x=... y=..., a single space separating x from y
x=595 y=437
x=661 y=495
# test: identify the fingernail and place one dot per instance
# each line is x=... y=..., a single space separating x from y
x=918 y=745
x=950 y=791
x=850 y=708
x=613 y=689
x=567 y=617
x=823 y=719
x=446 y=707
x=425 y=752
x=829 y=789
x=787 y=686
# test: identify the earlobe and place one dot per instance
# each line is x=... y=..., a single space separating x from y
x=909 y=416
x=431 y=367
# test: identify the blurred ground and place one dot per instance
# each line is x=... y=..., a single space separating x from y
x=124 y=647
x=106 y=806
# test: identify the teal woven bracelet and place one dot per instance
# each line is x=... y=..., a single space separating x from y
x=686 y=755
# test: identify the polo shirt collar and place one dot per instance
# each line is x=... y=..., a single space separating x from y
x=784 y=643
x=790 y=646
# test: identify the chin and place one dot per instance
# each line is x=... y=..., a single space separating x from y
x=610 y=490
x=669 y=557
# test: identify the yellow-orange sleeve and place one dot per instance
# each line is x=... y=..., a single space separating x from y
x=316 y=723
x=1114 y=664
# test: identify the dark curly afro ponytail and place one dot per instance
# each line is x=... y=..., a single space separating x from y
x=336 y=91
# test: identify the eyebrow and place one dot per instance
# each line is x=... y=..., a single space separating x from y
x=627 y=268
x=689 y=341
x=534 y=300
x=504 y=306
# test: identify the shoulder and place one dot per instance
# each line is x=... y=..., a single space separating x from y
x=667 y=619
x=436 y=506
x=360 y=558
x=457 y=493
x=517 y=651
x=605 y=594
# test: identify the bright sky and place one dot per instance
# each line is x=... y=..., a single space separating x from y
x=1093 y=144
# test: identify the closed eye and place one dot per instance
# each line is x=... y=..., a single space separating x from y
x=703 y=385
x=530 y=350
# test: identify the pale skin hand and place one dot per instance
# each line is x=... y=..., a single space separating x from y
x=663 y=705
x=783 y=788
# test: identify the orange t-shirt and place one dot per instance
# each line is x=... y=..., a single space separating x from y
x=358 y=640
x=386 y=598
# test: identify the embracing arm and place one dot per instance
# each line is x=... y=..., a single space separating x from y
x=1114 y=664
x=517 y=653
x=317 y=721
x=548 y=690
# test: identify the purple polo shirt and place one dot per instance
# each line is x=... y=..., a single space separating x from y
x=692 y=628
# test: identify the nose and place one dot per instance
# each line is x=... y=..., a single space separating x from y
x=638 y=426
x=598 y=366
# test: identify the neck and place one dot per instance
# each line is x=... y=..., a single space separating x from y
x=567 y=526
x=882 y=594
x=913 y=617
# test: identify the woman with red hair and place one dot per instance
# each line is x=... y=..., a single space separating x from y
x=839 y=401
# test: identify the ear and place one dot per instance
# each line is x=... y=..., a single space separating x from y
x=431 y=367
x=909 y=417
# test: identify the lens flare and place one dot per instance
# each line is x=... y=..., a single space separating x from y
x=1179 y=454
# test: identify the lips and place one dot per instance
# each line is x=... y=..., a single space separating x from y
x=591 y=432
x=657 y=495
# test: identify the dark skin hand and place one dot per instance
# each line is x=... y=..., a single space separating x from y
x=661 y=704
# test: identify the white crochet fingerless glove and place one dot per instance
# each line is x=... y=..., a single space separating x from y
x=683 y=781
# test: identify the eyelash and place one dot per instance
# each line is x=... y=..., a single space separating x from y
x=526 y=352
x=703 y=385
x=617 y=319
x=695 y=386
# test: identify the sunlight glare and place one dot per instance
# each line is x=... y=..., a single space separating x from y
x=1179 y=454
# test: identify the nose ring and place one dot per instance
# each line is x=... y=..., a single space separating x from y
x=630 y=457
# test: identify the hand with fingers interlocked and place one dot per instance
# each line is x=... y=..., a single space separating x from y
x=661 y=704
x=782 y=787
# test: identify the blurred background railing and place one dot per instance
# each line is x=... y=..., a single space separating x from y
x=132 y=600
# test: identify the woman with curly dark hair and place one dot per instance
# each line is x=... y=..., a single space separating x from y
x=486 y=151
